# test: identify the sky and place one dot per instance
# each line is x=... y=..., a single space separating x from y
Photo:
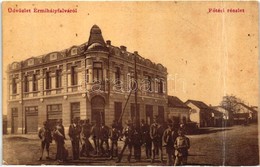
x=208 y=55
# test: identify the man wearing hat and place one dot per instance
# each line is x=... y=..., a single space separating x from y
x=128 y=133
x=169 y=137
x=104 y=136
x=46 y=138
x=156 y=137
x=74 y=134
x=114 y=135
x=146 y=139
x=85 y=135
x=59 y=136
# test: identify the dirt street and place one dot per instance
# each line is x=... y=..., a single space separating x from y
x=237 y=145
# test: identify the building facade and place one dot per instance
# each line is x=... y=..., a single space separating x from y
x=200 y=113
x=178 y=110
x=95 y=80
x=227 y=117
x=243 y=113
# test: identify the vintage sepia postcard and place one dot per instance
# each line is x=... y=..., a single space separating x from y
x=130 y=83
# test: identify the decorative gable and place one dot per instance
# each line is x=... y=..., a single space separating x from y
x=30 y=62
x=53 y=56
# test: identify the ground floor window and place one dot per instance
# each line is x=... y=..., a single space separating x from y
x=135 y=114
x=161 y=113
x=149 y=114
x=54 y=113
x=75 y=111
x=31 y=119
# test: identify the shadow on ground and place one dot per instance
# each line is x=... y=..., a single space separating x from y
x=209 y=131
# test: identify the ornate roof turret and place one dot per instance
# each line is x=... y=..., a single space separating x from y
x=96 y=41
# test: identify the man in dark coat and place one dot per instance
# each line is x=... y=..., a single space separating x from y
x=114 y=135
x=46 y=138
x=128 y=132
x=59 y=137
x=74 y=134
x=146 y=139
x=137 y=142
x=104 y=136
x=169 y=137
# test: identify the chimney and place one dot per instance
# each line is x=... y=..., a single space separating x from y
x=123 y=48
x=135 y=52
x=108 y=42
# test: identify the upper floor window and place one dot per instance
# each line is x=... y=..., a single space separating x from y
x=160 y=86
x=26 y=84
x=74 y=76
x=48 y=80
x=117 y=74
x=35 y=82
x=87 y=76
x=30 y=62
x=58 y=78
x=74 y=51
x=53 y=56
x=149 y=83
x=97 y=72
x=132 y=85
x=14 y=86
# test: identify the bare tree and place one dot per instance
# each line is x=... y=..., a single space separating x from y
x=230 y=103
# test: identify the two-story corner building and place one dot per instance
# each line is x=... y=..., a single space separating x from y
x=90 y=81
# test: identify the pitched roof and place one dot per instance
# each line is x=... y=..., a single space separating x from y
x=247 y=107
x=199 y=104
x=174 y=101
x=216 y=113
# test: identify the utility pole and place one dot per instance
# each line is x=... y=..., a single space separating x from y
x=22 y=79
x=136 y=89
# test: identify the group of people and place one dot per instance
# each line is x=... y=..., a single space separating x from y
x=47 y=135
x=155 y=138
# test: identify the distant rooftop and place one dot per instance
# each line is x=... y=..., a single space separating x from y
x=174 y=101
x=199 y=104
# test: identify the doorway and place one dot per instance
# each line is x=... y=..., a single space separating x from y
x=98 y=109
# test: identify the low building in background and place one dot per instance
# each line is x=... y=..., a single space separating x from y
x=200 y=113
x=178 y=110
x=227 y=115
x=90 y=81
x=244 y=114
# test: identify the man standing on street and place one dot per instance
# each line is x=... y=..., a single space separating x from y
x=46 y=138
x=74 y=134
x=114 y=136
x=169 y=137
x=59 y=137
x=156 y=136
x=95 y=132
x=146 y=139
x=85 y=134
x=104 y=136
x=128 y=133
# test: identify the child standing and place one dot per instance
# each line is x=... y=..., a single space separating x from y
x=181 y=145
